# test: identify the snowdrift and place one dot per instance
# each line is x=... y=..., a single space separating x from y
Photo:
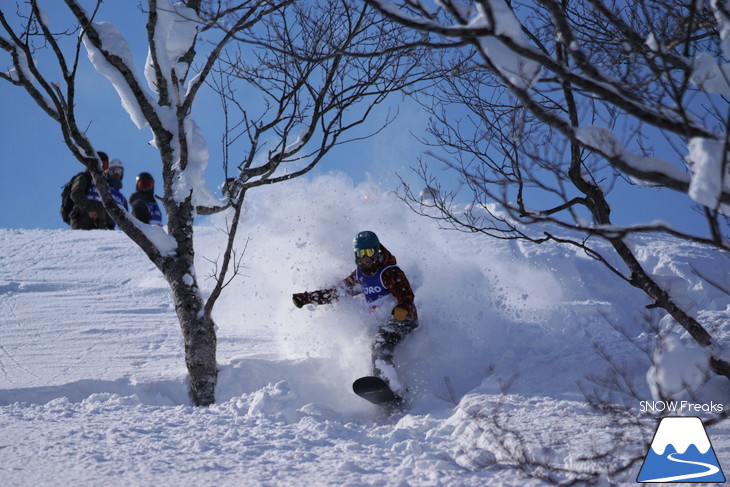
x=92 y=378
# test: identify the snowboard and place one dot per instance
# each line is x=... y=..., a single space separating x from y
x=377 y=391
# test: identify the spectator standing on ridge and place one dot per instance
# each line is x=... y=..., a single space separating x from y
x=144 y=205
x=88 y=211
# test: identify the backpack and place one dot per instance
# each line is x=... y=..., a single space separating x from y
x=67 y=204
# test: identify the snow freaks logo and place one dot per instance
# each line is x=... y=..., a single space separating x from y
x=681 y=407
x=681 y=452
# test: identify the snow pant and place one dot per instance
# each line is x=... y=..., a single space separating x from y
x=80 y=220
x=389 y=335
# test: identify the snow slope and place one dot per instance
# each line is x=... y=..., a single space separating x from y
x=92 y=378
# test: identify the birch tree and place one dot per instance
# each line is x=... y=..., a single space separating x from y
x=284 y=56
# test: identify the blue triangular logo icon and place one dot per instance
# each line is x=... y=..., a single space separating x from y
x=681 y=452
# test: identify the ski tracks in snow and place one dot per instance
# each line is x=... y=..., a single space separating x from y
x=89 y=300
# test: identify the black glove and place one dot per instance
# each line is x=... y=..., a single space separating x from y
x=300 y=299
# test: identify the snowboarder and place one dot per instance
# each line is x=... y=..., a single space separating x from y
x=387 y=293
x=144 y=206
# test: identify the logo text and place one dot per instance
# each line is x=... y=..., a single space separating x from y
x=679 y=407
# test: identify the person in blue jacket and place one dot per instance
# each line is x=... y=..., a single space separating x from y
x=88 y=212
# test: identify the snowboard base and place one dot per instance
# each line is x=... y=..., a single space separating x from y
x=377 y=391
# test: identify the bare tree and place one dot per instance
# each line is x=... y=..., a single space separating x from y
x=607 y=440
x=292 y=66
x=559 y=102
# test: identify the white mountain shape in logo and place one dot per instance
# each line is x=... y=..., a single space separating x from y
x=680 y=432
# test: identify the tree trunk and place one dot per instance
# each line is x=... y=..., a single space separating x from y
x=600 y=209
x=197 y=326
x=199 y=334
x=641 y=280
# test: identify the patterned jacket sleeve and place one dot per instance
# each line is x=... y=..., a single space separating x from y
x=397 y=283
x=348 y=285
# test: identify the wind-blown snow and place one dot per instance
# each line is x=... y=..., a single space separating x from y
x=604 y=141
x=709 y=73
x=520 y=71
x=24 y=67
x=192 y=179
x=706 y=159
x=675 y=366
x=92 y=377
x=175 y=33
x=114 y=43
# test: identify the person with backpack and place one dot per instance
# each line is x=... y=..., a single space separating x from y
x=86 y=209
x=144 y=205
x=388 y=295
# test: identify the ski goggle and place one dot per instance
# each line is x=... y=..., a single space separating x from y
x=359 y=253
x=116 y=171
x=145 y=185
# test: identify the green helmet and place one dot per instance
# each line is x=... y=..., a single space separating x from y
x=365 y=240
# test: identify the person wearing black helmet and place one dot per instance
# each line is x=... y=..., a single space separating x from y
x=388 y=295
x=144 y=205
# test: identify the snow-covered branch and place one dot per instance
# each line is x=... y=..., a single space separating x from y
x=578 y=100
x=501 y=39
x=166 y=107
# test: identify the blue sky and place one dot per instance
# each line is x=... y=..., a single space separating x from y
x=36 y=162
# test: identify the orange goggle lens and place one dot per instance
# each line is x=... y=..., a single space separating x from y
x=145 y=185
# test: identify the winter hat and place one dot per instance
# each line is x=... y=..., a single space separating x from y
x=116 y=163
x=115 y=173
